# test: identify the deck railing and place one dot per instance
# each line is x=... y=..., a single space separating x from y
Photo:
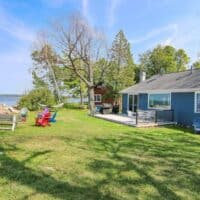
x=154 y=116
x=164 y=116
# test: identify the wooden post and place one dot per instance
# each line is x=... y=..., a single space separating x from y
x=156 y=116
x=136 y=120
x=14 y=122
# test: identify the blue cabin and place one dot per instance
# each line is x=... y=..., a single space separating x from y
x=179 y=92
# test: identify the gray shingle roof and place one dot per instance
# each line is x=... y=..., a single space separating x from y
x=181 y=81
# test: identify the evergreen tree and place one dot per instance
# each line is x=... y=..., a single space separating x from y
x=121 y=71
x=38 y=82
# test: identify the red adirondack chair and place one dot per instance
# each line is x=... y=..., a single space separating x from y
x=43 y=120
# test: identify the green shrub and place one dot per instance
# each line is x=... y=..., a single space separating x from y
x=31 y=100
x=74 y=106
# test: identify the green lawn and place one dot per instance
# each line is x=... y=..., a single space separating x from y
x=81 y=157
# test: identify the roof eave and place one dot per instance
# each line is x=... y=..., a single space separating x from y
x=160 y=90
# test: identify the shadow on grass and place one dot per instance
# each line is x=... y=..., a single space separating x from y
x=145 y=155
x=162 y=161
x=180 y=128
x=36 y=154
x=14 y=170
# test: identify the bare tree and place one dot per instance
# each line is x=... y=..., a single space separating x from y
x=79 y=46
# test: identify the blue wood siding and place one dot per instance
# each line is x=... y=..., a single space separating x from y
x=143 y=98
x=143 y=101
x=183 y=106
x=124 y=103
x=181 y=103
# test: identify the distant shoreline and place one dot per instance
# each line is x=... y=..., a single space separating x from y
x=13 y=95
x=9 y=99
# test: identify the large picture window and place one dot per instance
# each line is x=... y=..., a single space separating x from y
x=159 y=101
x=197 y=102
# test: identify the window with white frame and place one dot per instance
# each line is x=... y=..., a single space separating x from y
x=159 y=101
x=197 y=102
x=97 y=98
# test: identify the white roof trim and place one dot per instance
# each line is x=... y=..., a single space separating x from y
x=160 y=91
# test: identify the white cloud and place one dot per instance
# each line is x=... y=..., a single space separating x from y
x=188 y=36
x=85 y=7
x=18 y=55
x=112 y=9
x=183 y=33
x=15 y=76
x=15 y=27
x=85 y=10
x=170 y=29
x=15 y=61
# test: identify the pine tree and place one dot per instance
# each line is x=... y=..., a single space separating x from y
x=121 y=72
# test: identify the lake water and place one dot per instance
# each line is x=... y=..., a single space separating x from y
x=75 y=100
x=10 y=100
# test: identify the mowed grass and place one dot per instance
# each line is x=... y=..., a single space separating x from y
x=81 y=157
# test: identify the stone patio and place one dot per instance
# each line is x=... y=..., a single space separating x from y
x=129 y=121
x=121 y=119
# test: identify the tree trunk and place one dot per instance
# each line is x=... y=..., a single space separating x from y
x=91 y=90
x=91 y=100
x=81 y=95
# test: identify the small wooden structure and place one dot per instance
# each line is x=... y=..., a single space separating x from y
x=8 y=122
x=102 y=95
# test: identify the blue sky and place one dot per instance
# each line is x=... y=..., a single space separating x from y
x=146 y=23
